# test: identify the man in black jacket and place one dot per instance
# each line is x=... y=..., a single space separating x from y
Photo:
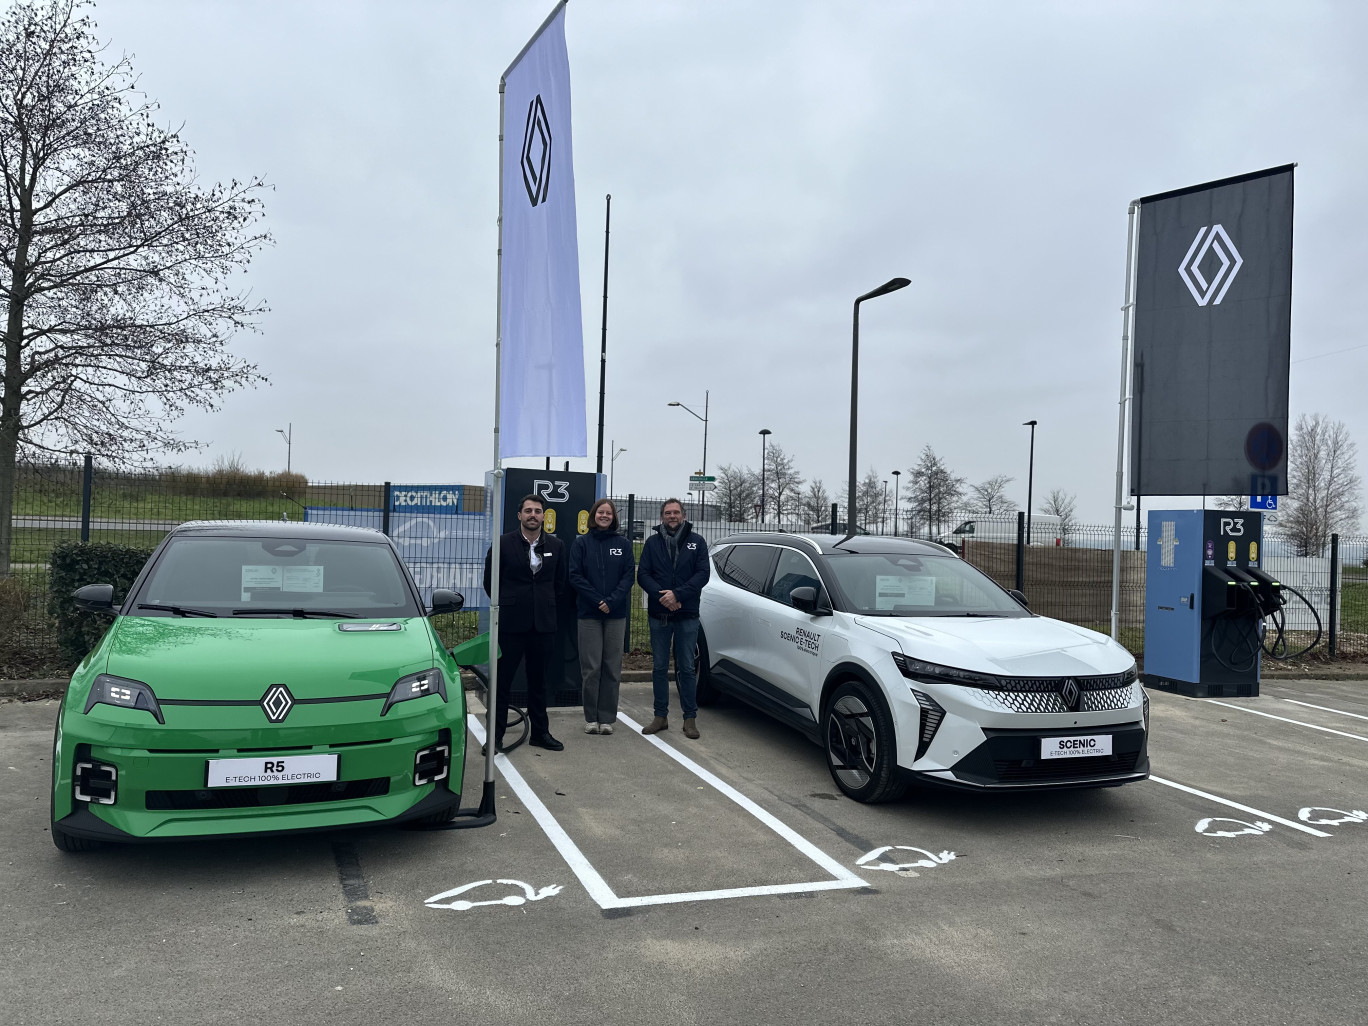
x=532 y=578
x=672 y=572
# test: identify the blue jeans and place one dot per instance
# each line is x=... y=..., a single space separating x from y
x=684 y=635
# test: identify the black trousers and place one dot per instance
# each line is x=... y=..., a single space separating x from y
x=536 y=649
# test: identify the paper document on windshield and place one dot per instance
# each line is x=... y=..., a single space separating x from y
x=894 y=590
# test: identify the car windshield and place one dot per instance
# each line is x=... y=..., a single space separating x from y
x=197 y=576
x=916 y=584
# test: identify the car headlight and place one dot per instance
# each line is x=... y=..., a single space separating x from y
x=416 y=685
x=123 y=694
x=935 y=673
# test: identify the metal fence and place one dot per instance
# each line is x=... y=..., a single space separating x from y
x=1065 y=575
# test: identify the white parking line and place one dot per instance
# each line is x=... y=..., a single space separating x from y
x=1325 y=708
x=598 y=888
x=1284 y=719
x=1243 y=808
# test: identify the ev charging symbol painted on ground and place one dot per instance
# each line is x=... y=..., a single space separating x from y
x=1357 y=816
x=874 y=859
x=462 y=904
x=1257 y=829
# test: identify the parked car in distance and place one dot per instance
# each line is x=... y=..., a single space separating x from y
x=260 y=677
x=904 y=662
x=1046 y=529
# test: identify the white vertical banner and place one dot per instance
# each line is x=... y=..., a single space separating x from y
x=541 y=393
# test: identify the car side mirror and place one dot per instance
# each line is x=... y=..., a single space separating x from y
x=95 y=598
x=1020 y=598
x=806 y=599
x=446 y=601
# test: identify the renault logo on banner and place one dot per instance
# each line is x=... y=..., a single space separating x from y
x=1218 y=242
x=536 y=152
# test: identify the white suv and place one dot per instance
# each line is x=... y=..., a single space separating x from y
x=901 y=660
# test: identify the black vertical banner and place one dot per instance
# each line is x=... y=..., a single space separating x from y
x=1212 y=331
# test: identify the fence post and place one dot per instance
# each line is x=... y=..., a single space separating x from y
x=1021 y=551
x=1334 y=595
x=384 y=513
x=87 y=480
x=631 y=519
x=833 y=519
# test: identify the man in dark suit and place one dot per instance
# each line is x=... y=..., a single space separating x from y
x=533 y=575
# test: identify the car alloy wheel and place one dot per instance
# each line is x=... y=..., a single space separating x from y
x=860 y=744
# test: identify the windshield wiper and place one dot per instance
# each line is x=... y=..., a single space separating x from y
x=177 y=610
x=297 y=613
x=970 y=614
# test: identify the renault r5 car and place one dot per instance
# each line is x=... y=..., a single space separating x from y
x=259 y=678
x=905 y=662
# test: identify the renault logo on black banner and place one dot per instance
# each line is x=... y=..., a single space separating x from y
x=277 y=702
x=1190 y=270
x=536 y=152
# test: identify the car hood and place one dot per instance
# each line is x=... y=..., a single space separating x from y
x=239 y=659
x=1033 y=646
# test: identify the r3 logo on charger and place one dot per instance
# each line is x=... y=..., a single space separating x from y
x=1232 y=527
x=552 y=491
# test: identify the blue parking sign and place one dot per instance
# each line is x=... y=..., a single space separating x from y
x=1263 y=502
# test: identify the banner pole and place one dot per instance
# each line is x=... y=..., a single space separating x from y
x=496 y=509
x=1127 y=311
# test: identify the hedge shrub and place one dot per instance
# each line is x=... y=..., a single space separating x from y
x=73 y=565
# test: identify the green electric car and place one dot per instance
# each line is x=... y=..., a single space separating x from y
x=260 y=678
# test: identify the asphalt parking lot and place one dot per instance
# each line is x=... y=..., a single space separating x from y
x=634 y=880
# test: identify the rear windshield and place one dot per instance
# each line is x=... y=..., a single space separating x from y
x=246 y=576
x=903 y=584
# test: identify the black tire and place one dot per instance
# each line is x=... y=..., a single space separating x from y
x=861 y=744
x=437 y=819
x=707 y=693
x=72 y=843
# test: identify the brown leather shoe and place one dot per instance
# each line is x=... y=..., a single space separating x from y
x=691 y=728
x=656 y=726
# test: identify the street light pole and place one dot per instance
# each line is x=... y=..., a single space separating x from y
x=289 y=444
x=764 y=437
x=702 y=495
x=612 y=464
x=883 y=509
x=892 y=285
x=1030 y=478
x=897 y=480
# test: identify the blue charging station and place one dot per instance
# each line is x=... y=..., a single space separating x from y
x=1206 y=597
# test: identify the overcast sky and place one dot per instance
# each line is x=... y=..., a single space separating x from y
x=768 y=162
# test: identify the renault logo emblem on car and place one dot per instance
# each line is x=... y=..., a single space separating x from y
x=1070 y=692
x=277 y=702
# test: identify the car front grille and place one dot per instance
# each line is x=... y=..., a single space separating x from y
x=1043 y=701
x=261 y=797
x=1018 y=771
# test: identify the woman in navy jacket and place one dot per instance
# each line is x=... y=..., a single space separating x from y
x=601 y=572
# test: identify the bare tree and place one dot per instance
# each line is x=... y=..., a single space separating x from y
x=1062 y=504
x=991 y=496
x=869 y=496
x=935 y=492
x=1325 y=494
x=782 y=482
x=1235 y=502
x=816 y=502
x=738 y=493
x=117 y=264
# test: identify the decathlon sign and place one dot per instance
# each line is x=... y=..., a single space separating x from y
x=426 y=498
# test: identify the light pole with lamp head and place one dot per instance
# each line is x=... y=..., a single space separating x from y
x=1030 y=477
x=764 y=437
x=612 y=464
x=289 y=444
x=897 y=480
x=892 y=285
x=702 y=495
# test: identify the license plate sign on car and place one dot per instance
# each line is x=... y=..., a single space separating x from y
x=1075 y=747
x=271 y=771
